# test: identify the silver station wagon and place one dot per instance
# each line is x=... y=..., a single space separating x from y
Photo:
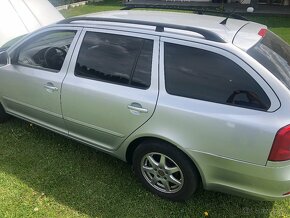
x=187 y=99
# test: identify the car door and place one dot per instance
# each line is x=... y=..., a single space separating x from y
x=111 y=88
x=30 y=85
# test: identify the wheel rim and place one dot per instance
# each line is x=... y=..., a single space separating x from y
x=162 y=172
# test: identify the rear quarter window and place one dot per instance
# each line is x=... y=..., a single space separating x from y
x=204 y=75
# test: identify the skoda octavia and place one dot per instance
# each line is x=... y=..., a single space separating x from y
x=186 y=99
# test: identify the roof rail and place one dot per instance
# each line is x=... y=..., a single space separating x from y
x=209 y=35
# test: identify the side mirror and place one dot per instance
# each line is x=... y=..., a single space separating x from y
x=4 y=58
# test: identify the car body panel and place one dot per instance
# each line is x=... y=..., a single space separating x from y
x=106 y=119
x=242 y=178
x=248 y=36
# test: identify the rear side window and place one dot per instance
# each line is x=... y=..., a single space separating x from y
x=274 y=54
x=199 y=74
x=118 y=59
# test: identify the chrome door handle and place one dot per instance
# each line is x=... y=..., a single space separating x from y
x=137 y=107
x=50 y=86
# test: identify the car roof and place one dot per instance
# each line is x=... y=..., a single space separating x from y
x=212 y=23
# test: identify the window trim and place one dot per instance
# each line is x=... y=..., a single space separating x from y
x=274 y=101
x=155 y=55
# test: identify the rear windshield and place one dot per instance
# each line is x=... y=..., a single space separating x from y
x=274 y=54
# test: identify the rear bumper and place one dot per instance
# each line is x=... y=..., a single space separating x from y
x=269 y=182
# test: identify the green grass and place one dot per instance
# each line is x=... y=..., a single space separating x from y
x=283 y=32
x=107 y=5
x=86 y=9
x=43 y=174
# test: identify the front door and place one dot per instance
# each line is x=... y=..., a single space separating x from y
x=30 y=86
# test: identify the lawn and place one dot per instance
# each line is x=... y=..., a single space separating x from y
x=43 y=174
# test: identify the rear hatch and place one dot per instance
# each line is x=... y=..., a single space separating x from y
x=267 y=48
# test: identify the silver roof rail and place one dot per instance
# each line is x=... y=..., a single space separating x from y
x=207 y=34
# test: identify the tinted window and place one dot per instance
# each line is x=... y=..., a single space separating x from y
x=116 y=59
x=200 y=74
x=274 y=54
x=142 y=73
x=47 y=50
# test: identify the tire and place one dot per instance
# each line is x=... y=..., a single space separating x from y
x=3 y=115
x=175 y=180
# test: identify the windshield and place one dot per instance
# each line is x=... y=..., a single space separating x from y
x=274 y=54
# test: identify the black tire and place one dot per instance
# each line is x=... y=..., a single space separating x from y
x=187 y=174
x=3 y=115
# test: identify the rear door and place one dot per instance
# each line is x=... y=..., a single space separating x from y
x=111 y=88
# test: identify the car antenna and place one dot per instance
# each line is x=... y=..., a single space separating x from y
x=224 y=22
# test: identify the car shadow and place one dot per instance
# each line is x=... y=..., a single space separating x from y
x=98 y=185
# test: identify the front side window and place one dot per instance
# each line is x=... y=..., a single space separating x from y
x=46 y=51
x=204 y=75
x=118 y=59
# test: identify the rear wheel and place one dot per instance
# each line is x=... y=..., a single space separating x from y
x=165 y=170
x=3 y=115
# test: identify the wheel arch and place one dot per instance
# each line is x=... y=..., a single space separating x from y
x=136 y=142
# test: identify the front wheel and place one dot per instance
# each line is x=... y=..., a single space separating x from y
x=165 y=170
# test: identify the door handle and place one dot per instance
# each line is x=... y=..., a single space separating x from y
x=137 y=107
x=51 y=87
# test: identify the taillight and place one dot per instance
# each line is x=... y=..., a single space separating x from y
x=262 y=32
x=281 y=146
